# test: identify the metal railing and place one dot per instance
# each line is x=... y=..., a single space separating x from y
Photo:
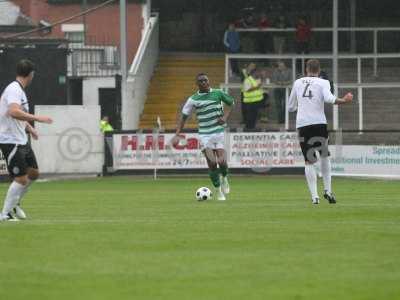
x=142 y=69
x=360 y=88
x=374 y=30
x=93 y=60
x=294 y=58
x=359 y=85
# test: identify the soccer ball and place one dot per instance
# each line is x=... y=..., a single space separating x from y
x=203 y=193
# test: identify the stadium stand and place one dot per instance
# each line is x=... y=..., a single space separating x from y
x=173 y=82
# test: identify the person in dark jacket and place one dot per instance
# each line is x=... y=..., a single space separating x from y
x=232 y=44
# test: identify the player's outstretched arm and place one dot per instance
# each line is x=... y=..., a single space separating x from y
x=181 y=124
x=179 y=127
x=15 y=111
x=346 y=99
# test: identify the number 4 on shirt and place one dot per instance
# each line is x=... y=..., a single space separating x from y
x=308 y=95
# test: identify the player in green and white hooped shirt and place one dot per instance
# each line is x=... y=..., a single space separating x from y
x=212 y=108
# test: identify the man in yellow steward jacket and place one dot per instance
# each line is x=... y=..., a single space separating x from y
x=105 y=125
x=253 y=96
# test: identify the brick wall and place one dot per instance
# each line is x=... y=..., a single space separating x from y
x=102 y=25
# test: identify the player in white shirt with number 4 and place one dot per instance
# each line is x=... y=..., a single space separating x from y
x=308 y=96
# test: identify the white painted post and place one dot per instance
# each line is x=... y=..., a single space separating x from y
x=294 y=68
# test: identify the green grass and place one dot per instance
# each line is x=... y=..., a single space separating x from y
x=127 y=238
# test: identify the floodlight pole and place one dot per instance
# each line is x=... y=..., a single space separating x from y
x=335 y=53
x=123 y=62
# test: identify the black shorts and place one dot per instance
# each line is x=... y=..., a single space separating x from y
x=18 y=158
x=314 y=138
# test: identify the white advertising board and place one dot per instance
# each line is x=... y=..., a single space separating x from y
x=73 y=143
x=244 y=150
x=374 y=161
x=263 y=150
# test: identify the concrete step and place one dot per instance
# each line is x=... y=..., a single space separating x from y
x=173 y=82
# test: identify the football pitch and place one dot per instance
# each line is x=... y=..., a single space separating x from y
x=135 y=238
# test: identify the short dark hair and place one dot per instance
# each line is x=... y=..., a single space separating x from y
x=313 y=66
x=200 y=74
x=25 y=67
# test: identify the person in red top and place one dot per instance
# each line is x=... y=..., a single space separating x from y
x=303 y=36
x=264 y=21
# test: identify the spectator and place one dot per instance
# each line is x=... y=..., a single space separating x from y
x=264 y=37
x=281 y=76
x=245 y=73
x=263 y=76
x=249 y=38
x=248 y=21
x=232 y=44
x=280 y=37
x=264 y=22
x=252 y=99
x=105 y=126
x=303 y=38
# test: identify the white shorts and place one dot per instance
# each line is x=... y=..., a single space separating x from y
x=212 y=141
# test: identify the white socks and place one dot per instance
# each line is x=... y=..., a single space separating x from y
x=23 y=192
x=326 y=173
x=311 y=176
x=13 y=196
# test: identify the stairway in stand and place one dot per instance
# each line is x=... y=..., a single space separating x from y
x=173 y=82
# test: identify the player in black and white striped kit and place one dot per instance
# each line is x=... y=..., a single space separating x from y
x=21 y=161
x=308 y=96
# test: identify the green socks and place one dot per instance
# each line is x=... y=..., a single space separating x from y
x=224 y=170
x=214 y=176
